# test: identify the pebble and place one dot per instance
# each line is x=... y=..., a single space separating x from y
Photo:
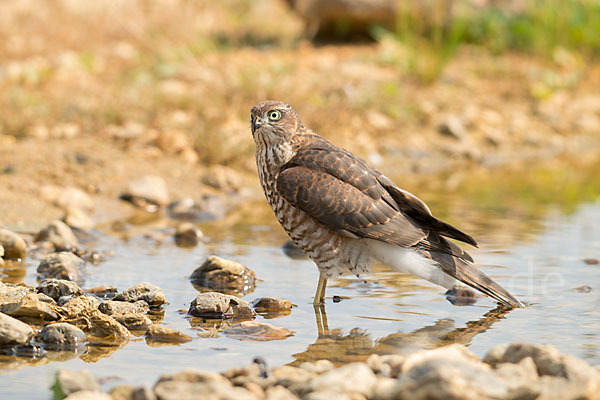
x=102 y=328
x=88 y=395
x=62 y=265
x=162 y=334
x=225 y=276
x=222 y=178
x=67 y=197
x=591 y=261
x=103 y=291
x=31 y=308
x=11 y=293
x=149 y=192
x=116 y=308
x=68 y=382
x=60 y=235
x=187 y=209
x=452 y=126
x=77 y=306
x=61 y=336
x=57 y=288
x=77 y=218
x=218 y=305
x=257 y=332
x=151 y=294
x=13 y=331
x=271 y=307
x=14 y=245
x=350 y=378
x=187 y=235
x=134 y=322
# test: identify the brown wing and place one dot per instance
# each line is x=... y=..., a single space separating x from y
x=343 y=193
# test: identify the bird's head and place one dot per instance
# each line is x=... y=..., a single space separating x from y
x=273 y=122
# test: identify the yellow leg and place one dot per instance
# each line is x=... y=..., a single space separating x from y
x=320 y=295
x=321 y=317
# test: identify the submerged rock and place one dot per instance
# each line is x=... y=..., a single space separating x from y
x=61 y=336
x=134 y=322
x=60 y=235
x=13 y=331
x=271 y=307
x=57 y=288
x=257 y=332
x=31 y=308
x=162 y=334
x=223 y=275
x=115 y=308
x=68 y=382
x=14 y=245
x=218 y=305
x=63 y=265
x=151 y=294
x=187 y=235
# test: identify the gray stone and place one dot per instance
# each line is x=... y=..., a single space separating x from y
x=134 y=322
x=218 y=305
x=60 y=235
x=61 y=336
x=354 y=377
x=31 y=308
x=13 y=331
x=63 y=265
x=14 y=245
x=115 y=308
x=68 y=382
x=187 y=235
x=163 y=334
x=223 y=275
x=57 y=288
x=151 y=294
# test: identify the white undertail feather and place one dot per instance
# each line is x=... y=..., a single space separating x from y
x=409 y=261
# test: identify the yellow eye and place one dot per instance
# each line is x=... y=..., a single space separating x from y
x=274 y=115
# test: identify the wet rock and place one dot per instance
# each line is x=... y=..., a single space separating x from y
x=292 y=251
x=591 y=261
x=103 y=291
x=272 y=307
x=115 y=308
x=14 y=245
x=61 y=336
x=13 y=331
x=11 y=293
x=162 y=334
x=102 y=328
x=582 y=289
x=151 y=294
x=76 y=306
x=57 y=288
x=547 y=359
x=223 y=275
x=187 y=235
x=63 y=265
x=31 y=308
x=67 y=197
x=448 y=372
x=257 y=332
x=218 y=305
x=60 y=235
x=351 y=378
x=222 y=178
x=88 y=395
x=149 y=192
x=77 y=218
x=134 y=322
x=68 y=382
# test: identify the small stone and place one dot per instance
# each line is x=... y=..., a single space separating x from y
x=68 y=382
x=194 y=376
x=187 y=235
x=141 y=393
x=134 y=322
x=175 y=390
x=63 y=265
x=292 y=378
x=149 y=192
x=583 y=289
x=60 y=235
x=88 y=395
x=61 y=336
x=452 y=126
x=11 y=293
x=57 y=288
x=32 y=309
x=77 y=218
x=271 y=304
x=102 y=291
x=317 y=367
x=116 y=308
x=186 y=209
x=591 y=261
x=162 y=334
x=328 y=394
x=222 y=178
x=223 y=275
x=218 y=305
x=14 y=245
x=76 y=306
x=354 y=377
x=102 y=328
x=13 y=331
x=279 y=393
x=257 y=332
x=173 y=142
x=151 y=294
x=67 y=197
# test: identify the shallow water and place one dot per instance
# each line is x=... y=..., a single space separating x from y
x=533 y=247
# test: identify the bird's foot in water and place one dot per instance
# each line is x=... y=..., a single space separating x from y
x=461 y=296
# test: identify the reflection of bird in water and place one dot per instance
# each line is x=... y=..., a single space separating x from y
x=357 y=345
x=344 y=214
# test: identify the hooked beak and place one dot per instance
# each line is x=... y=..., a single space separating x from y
x=256 y=123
